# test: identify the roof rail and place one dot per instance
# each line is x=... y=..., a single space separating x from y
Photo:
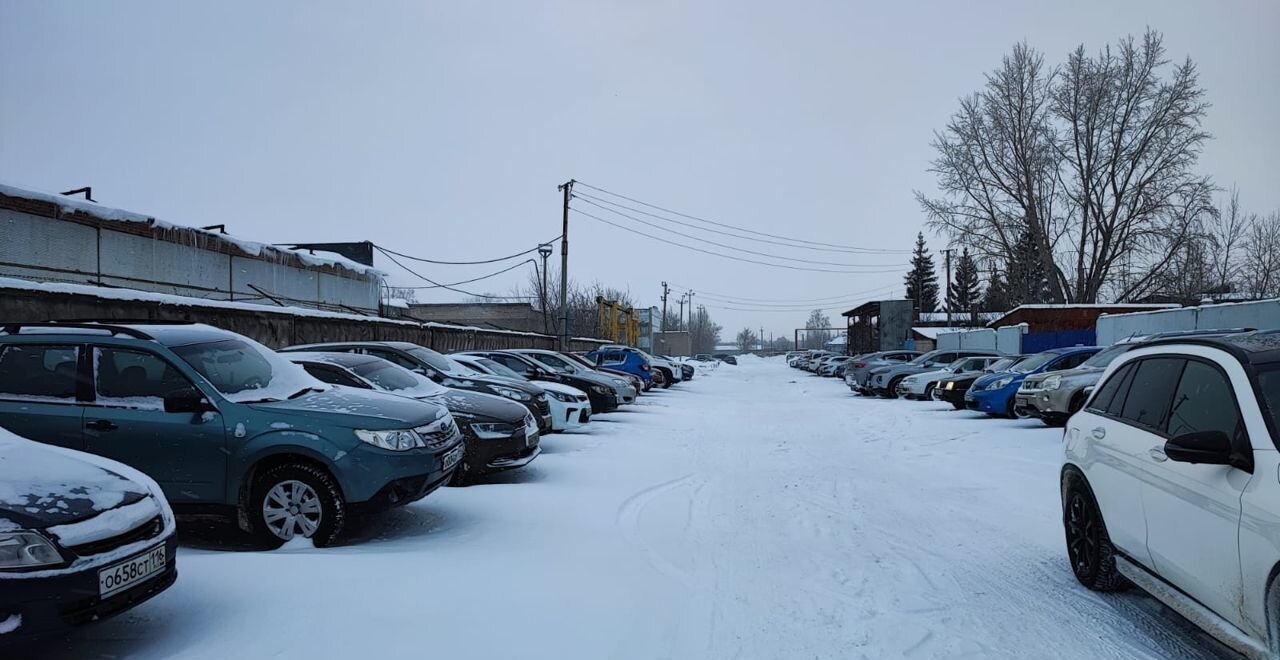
x=16 y=328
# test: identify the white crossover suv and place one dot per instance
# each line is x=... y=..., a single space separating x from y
x=1171 y=481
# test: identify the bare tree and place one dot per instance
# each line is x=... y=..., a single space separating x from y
x=1261 y=268
x=1128 y=145
x=816 y=329
x=1092 y=162
x=1226 y=235
x=996 y=166
x=704 y=333
x=746 y=339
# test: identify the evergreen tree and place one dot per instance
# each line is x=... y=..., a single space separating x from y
x=1027 y=281
x=922 y=279
x=965 y=289
x=996 y=298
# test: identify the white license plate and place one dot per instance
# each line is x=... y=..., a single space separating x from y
x=452 y=457
x=531 y=439
x=117 y=578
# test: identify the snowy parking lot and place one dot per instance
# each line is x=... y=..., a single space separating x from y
x=757 y=511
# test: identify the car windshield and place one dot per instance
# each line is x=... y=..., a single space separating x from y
x=1269 y=382
x=920 y=360
x=553 y=362
x=499 y=369
x=244 y=371
x=384 y=375
x=1103 y=358
x=1034 y=362
x=955 y=366
x=437 y=361
x=1002 y=364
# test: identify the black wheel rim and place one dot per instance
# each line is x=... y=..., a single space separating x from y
x=1082 y=535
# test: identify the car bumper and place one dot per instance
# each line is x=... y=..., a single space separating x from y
x=566 y=416
x=1056 y=402
x=950 y=396
x=486 y=456
x=995 y=402
x=603 y=403
x=53 y=604
x=1024 y=403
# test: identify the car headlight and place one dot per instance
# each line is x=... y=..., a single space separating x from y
x=1003 y=382
x=601 y=389
x=19 y=550
x=394 y=440
x=1051 y=383
x=510 y=393
x=493 y=430
x=909 y=379
x=951 y=385
x=561 y=396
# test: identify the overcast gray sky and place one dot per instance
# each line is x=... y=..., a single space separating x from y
x=441 y=129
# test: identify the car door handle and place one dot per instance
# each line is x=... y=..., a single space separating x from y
x=102 y=425
x=1099 y=433
x=1157 y=454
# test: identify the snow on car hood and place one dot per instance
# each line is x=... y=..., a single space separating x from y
x=42 y=485
x=561 y=388
x=358 y=408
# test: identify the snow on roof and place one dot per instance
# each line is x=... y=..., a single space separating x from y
x=1094 y=306
x=932 y=332
x=935 y=317
x=838 y=341
x=110 y=214
x=110 y=293
x=1207 y=306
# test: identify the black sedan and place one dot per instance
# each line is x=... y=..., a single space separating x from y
x=603 y=398
x=82 y=538
x=498 y=434
x=433 y=365
x=952 y=389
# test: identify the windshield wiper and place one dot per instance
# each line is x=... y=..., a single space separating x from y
x=304 y=391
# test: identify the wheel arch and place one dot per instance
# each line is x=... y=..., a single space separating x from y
x=285 y=456
x=1272 y=610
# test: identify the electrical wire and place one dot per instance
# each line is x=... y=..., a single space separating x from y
x=738 y=249
x=474 y=279
x=465 y=263
x=585 y=197
x=766 y=301
x=853 y=248
x=448 y=287
x=797 y=307
x=728 y=256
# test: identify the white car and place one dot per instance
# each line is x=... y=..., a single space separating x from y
x=1169 y=482
x=920 y=386
x=570 y=406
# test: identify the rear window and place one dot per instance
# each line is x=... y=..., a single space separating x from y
x=386 y=376
x=1152 y=392
x=43 y=372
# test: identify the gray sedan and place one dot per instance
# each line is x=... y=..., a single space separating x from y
x=884 y=380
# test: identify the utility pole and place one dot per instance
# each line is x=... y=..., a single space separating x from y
x=567 y=189
x=680 y=317
x=947 y=300
x=665 y=291
x=760 y=339
x=690 y=294
x=544 y=251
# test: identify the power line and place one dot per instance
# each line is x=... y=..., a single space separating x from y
x=745 y=300
x=474 y=279
x=831 y=304
x=738 y=249
x=728 y=256
x=449 y=287
x=464 y=263
x=586 y=196
x=748 y=231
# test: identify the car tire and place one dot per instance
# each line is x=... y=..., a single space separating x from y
x=1011 y=411
x=892 y=392
x=461 y=477
x=958 y=406
x=1054 y=420
x=1077 y=402
x=296 y=489
x=1089 y=550
x=928 y=393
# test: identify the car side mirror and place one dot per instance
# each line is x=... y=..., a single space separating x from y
x=186 y=400
x=1203 y=447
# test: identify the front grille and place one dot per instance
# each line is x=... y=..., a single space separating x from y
x=437 y=437
x=147 y=530
x=541 y=406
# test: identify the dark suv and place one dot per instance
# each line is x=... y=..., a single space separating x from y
x=224 y=424
x=437 y=367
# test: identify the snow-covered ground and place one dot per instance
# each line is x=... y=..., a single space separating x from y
x=755 y=512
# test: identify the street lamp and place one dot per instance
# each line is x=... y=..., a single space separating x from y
x=544 y=251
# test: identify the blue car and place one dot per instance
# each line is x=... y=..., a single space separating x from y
x=994 y=394
x=621 y=358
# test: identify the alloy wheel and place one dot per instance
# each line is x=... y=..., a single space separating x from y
x=1082 y=535
x=292 y=508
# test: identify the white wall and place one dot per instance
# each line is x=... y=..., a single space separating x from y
x=1262 y=314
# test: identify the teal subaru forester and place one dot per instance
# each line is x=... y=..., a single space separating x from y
x=224 y=424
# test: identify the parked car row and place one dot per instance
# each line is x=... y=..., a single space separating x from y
x=108 y=429
x=1171 y=451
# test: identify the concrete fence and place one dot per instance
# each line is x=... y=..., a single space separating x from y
x=1006 y=339
x=273 y=327
x=1261 y=314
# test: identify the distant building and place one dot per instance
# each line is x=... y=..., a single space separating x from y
x=55 y=238
x=499 y=316
x=1067 y=317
